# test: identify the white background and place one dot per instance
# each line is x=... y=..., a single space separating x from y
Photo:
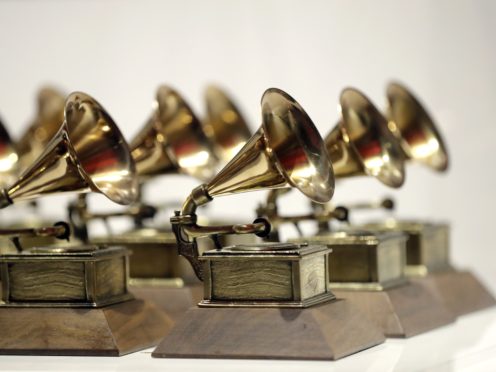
x=120 y=51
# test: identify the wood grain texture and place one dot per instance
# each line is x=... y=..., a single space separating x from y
x=110 y=331
x=174 y=302
x=326 y=332
x=47 y=281
x=313 y=276
x=251 y=280
x=461 y=291
x=402 y=311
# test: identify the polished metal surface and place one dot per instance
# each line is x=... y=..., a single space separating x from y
x=363 y=260
x=287 y=151
x=224 y=124
x=427 y=248
x=173 y=140
x=414 y=128
x=266 y=275
x=47 y=121
x=8 y=158
x=65 y=277
x=88 y=153
x=361 y=143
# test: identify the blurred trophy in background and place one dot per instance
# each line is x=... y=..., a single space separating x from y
x=266 y=300
x=73 y=299
x=427 y=259
x=366 y=267
x=173 y=141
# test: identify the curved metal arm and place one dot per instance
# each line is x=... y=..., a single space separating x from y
x=187 y=230
x=60 y=230
x=79 y=215
x=338 y=213
x=386 y=203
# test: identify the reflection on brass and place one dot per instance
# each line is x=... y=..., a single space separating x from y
x=287 y=151
x=427 y=247
x=88 y=153
x=173 y=140
x=270 y=275
x=363 y=260
x=49 y=117
x=224 y=124
x=413 y=127
x=8 y=158
x=361 y=143
x=65 y=277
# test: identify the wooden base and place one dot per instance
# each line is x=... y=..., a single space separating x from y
x=402 y=311
x=325 y=332
x=172 y=301
x=108 y=331
x=461 y=291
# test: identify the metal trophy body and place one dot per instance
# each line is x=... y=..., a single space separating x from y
x=427 y=256
x=173 y=141
x=266 y=300
x=367 y=267
x=73 y=299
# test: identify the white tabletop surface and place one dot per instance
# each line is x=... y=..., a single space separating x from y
x=467 y=345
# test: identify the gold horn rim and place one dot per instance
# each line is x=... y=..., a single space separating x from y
x=310 y=169
x=366 y=131
x=426 y=144
x=8 y=157
x=101 y=151
x=194 y=154
x=224 y=123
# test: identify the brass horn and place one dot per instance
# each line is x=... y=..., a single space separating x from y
x=49 y=116
x=413 y=127
x=287 y=151
x=8 y=158
x=361 y=143
x=88 y=153
x=224 y=124
x=173 y=140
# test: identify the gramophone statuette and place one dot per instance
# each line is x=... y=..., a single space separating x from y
x=260 y=295
x=50 y=294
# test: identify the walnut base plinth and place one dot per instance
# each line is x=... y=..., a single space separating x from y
x=328 y=331
x=460 y=290
x=402 y=311
x=107 y=331
x=173 y=301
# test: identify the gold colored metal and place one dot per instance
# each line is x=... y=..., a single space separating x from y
x=427 y=244
x=59 y=230
x=363 y=260
x=413 y=127
x=8 y=158
x=154 y=257
x=88 y=153
x=266 y=275
x=286 y=151
x=49 y=117
x=224 y=124
x=361 y=143
x=83 y=276
x=173 y=140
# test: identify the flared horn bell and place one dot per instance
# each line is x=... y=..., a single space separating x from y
x=415 y=130
x=8 y=158
x=49 y=117
x=173 y=141
x=224 y=124
x=88 y=153
x=287 y=151
x=361 y=144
